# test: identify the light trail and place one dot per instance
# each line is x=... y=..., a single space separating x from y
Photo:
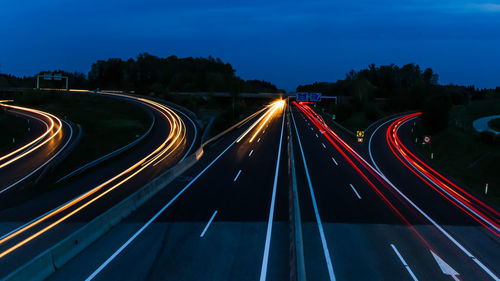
x=469 y=204
x=319 y=123
x=174 y=139
x=271 y=110
x=48 y=135
x=329 y=134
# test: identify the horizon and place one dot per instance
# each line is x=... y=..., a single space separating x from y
x=285 y=43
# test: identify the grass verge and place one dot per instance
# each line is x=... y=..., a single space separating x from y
x=12 y=127
x=460 y=153
x=107 y=123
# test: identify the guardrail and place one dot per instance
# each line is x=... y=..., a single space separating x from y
x=59 y=158
x=109 y=155
x=43 y=265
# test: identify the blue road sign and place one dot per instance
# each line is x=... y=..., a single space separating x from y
x=315 y=96
x=301 y=96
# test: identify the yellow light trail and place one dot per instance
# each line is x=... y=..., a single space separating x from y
x=50 y=128
x=271 y=109
x=277 y=105
x=254 y=124
x=176 y=126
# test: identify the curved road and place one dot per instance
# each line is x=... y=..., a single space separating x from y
x=47 y=138
x=38 y=224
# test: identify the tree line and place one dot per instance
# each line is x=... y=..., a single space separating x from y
x=386 y=89
x=148 y=73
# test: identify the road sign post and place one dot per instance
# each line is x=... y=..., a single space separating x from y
x=51 y=76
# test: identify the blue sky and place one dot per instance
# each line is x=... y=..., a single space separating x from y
x=286 y=42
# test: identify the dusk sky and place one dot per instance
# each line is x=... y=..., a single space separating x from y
x=285 y=42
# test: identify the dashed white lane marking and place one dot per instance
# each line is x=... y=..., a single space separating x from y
x=237 y=175
x=324 y=146
x=317 y=135
x=335 y=161
x=258 y=140
x=208 y=224
x=250 y=154
x=355 y=191
x=404 y=262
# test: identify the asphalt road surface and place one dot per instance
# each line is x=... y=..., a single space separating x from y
x=365 y=215
x=47 y=137
x=35 y=225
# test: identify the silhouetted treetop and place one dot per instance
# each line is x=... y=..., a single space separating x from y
x=172 y=73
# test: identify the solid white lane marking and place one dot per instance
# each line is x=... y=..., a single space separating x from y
x=45 y=163
x=237 y=175
x=267 y=245
x=208 y=224
x=444 y=232
x=317 y=135
x=326 y=252
x=324 y=146
x=250 y=154
x=404 y=262
x=122 y=247
x=355 y=191
x=258 y=140
x=335 y=161
x=444 y=190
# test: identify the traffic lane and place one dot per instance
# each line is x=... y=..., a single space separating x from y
x=32 y=204
x=231 y=244
x=183 y=238
x=36 y=127
x=437 y=206
x=461 y=226
x=332 y=177
x=17 y=175
x=23 y=254
x=357 y=231
x=372 y=247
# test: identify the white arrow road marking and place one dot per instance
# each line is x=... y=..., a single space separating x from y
x=445 y=268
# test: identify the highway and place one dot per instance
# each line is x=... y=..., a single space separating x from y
x=37 y=224
x=368 y=211
x=384 y=226
x=47 y=137
x=224 y=219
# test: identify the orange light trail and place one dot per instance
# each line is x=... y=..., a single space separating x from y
x=271 y=109
x=57 y=124
x=175 y=137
